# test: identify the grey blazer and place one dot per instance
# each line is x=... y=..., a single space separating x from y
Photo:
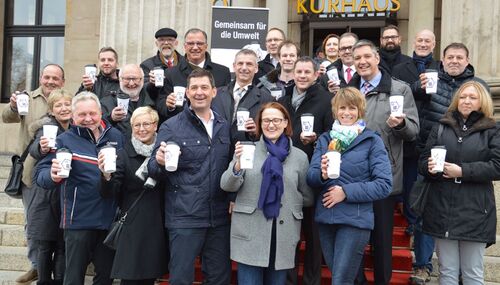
x=250 y=230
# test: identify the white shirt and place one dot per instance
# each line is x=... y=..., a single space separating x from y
x=345 y=67
x=274 y=61
x=209 y=125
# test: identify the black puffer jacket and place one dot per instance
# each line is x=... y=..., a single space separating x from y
x=103 y=86
x=464 y=211
x=436 y=105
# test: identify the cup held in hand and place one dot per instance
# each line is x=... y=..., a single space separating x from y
x=333 y=169
x=64 y=157
x=246 y=158
x=172 y=156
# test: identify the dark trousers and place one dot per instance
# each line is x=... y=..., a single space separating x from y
x=51 y=259
x=138 y=282
x=312 y=255
x=83 y=247
x=211 y=244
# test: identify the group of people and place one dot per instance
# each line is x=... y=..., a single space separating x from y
x=211 y=207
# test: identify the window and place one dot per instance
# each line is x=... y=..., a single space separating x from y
x=34 y=37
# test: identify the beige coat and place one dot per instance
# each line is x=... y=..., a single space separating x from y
x=250 y=230
x=37 y=108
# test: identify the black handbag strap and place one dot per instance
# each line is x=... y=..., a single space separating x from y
x=122 y=218
x=26 y=151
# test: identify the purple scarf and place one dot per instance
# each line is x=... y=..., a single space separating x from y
x=272 y=187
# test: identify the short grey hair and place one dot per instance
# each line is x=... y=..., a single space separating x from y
x=84 y=96
x=365 y=43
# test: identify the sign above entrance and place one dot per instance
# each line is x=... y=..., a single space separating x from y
x=346 y=6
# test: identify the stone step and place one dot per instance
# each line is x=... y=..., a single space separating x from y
x=11 y=216
x=12 y=235
x=7 y=201
x=13 y=258
x=491 y=268
x=494 y=250
x=8 y=278
x=5 y=159
x=4 y=172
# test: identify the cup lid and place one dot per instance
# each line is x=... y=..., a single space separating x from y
x=63 y=150
x=157 y=67
x=247 y=143
x=307 y=115
x=439 y=147
x=90 y=65
x=107 y=146
x=242 y=109
x=122 y=95
x=172 y=143
x=431 y=70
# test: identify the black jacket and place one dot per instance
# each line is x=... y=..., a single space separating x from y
x=108 y=103
x=177 y=76
x=464 y=211
x=323 y=79
x=143 y=238
x=316 y=102
x=154 y=61
x=389 y=59
x=265 y=66
x=223 y=104
x=103 y=86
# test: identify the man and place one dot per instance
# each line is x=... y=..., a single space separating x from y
x=307 y=96
x=51 y=78
x=390 y=48
x=274 y=38
x=377 y=85
x=241 y=93
x=409 y=71
x=131 y=85
x=195 y=45
x=106 y=82
x=282 y=77
x=166 y=56
x=344 y=65
x=196 y=209
x=86 y=215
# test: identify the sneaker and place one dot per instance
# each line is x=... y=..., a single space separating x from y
x=421 y=276
x=29 y=276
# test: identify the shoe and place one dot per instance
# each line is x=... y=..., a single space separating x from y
x=421 y=276
x=410 y=229
x=29 y=276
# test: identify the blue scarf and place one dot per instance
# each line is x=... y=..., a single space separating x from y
x=422 y=61
x=272 y=187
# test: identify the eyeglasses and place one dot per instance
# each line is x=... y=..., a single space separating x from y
x=131 y=79
x=145 y=125
x=386 y=38
x=192 y=44
x=345 y=48
x=276 y=121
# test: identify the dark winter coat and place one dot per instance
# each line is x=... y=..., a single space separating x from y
x=150 y=63
x=389 y=59
x=323 y=79
x=103 y=86
x=265 y=66
x=464 y=211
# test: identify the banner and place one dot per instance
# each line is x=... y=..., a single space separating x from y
x=234 y=28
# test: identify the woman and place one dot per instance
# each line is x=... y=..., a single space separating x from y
x=344 y=207
x=45 y=210
x=331 y=47
x=270 y=196
x=141 y=254
x=460 y=212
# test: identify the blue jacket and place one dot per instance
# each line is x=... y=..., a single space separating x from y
x=81 y=202
x=365 y=176
x=193 y=197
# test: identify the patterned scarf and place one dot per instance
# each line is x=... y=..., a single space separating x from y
x=346 y=134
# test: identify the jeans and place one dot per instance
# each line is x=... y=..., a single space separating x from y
x=423 y=247
x=343 y=247
x=456 y=256
x=254 y=275
x=410 y=171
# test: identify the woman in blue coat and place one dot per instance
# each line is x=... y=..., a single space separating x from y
x=344 y=210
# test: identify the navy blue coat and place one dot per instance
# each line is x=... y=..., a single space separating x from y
x=193 y=197
x=82 y=205
x=365 y=176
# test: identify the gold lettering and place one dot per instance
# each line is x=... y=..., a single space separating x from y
x=346 y=3
x=395 y=5
x=321 y=8
x=334 y=5
x=377 y=8
x=364 y=4
x=300 y=7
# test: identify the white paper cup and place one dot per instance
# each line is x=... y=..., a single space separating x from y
x=50 y=132
x=325 y=64
x=333 y=74
x=64 y=157
x=172 y=156
x=246 y=158
x=91 y=71
x=276 y=93
x=432 y=81
x=109 y=159
x=396 y=102
x=333 y=169
x=307 y=121
x=159 y=76
x=123 y=102
x=242 y=116
x=23 y=103
x=438 y=153
x=179 y=92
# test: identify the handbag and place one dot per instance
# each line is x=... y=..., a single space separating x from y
x=113 y=237
x=418 y=196
x=14 y=181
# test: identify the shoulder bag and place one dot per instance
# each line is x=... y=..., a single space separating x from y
x=14 y=181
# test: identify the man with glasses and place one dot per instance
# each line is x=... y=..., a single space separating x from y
x=118 y=108
x=166 y=56
x=106 y=82
x=390 y=49
x=195 y=45
x=274 y=38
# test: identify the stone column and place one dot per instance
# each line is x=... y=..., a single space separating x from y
x=2 y=14
x=129 y=26
x=243 y=3
x=421 y=16
x=278 y=16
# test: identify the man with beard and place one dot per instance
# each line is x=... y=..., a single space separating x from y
x=390 y=49
x=166 y=56
x=274 y=38
x=131 y=88
x=106 y=82
x=51 y=78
